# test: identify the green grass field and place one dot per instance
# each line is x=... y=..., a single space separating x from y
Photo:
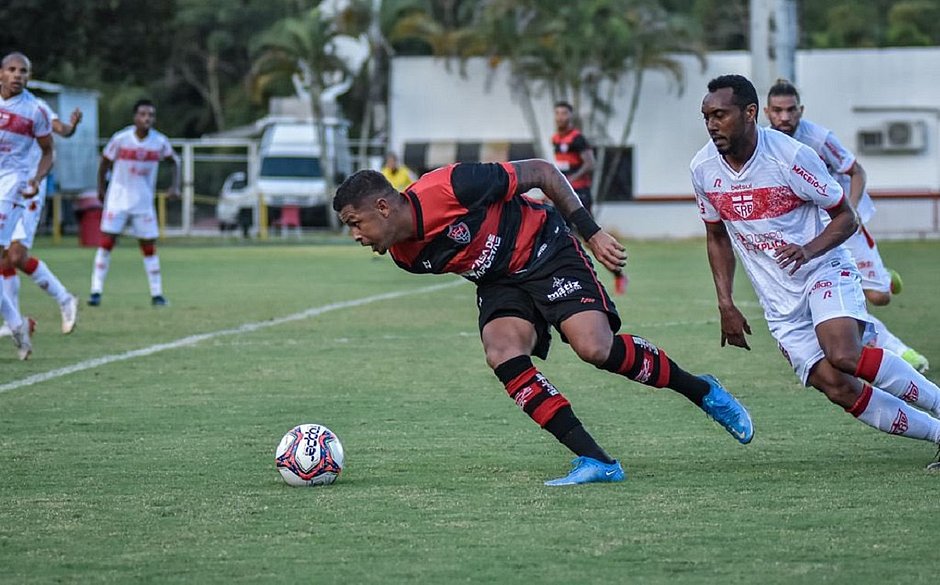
x=159 y=468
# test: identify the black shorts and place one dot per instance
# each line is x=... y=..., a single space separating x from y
x=564 y=285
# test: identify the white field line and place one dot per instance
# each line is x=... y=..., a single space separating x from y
x=194 y=339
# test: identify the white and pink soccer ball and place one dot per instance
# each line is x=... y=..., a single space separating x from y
x=309 y=455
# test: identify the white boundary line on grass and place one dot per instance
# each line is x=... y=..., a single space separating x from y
x=194 y=339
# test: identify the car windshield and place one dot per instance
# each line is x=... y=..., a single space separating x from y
x=291 y=166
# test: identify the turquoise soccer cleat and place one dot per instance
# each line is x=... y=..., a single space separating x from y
x=588 y=470
x=724 y=409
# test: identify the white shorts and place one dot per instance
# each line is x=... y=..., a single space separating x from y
x=143 y=226
x=835 y=291
x=865 y=252
x=9 y=214
x=25 y=230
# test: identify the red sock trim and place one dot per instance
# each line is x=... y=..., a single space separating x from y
x=663 y=379
x=629 y=355
x=148 y=249
x=862 y=403
x=547 y=409
x=869 y=363
x=519 y=381
x=8 y=272
x=31 y=265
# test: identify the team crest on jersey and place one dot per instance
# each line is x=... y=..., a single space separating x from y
x=743 y=205
x=4 y=119
x=460 y=233
x=563 y=147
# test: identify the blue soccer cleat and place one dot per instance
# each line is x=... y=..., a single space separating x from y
x=588 y=470
x=724 y=409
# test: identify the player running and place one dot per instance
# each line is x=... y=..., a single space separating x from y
x=24 y=233
x=132 y=156
x=759 y=192
x=785 y=113
x=531 y=274
x=22 y=123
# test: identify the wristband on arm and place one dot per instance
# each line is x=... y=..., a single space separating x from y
x=584 y=223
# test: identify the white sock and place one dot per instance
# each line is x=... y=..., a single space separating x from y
x=891 y=415
x=11 y=290
x=887 y=340
x=152 y=266
x=9 y=312
x=100 y=271
x=895 y=376
x=47 y=281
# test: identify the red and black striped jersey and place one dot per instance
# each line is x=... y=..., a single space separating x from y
x=568 y=148
x=470 y=221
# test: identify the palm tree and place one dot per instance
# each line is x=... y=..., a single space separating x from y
x=303 y=50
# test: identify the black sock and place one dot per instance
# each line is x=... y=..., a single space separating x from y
x=638 y=359
x=569 y=431
x=689 y=385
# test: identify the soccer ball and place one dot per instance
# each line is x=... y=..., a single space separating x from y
x=309 y=455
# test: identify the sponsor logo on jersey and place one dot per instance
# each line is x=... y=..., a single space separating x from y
x=459 y=232
x=485 y=260
x=811 y=179
x=821 y=284
x=743 y=205
x=563 y=288
x=761 y=242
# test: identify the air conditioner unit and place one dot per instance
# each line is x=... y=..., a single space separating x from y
x=894 y=137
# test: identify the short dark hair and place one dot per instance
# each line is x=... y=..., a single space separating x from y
x=783 y=87
x=360 y=186
x=564 y=104
x=143 y=102
x=741 y=87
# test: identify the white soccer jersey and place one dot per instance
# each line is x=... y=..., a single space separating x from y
x=838 y=160
x=134 y=174
x=36 y=151
x=22 y=121
x=772 y=201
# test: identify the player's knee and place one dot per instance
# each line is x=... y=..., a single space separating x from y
x=107 y=242
x=593 y=351
x=16 y=256
x=147 y=247
x=839 y=393
x=844 y=359
x=877 y=298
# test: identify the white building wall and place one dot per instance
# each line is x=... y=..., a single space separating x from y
x=846 y=90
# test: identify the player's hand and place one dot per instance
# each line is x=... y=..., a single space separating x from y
x=76 y=118
x=792 y=254
x=608 y=251
x=172 y=193
x=31 y=189
x=733 y=327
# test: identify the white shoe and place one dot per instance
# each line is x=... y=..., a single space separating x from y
x=69 y=311
x=21 y=340
x=5 y=331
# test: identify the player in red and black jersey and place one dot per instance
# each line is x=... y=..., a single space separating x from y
x=531 y=275
x=575 y=159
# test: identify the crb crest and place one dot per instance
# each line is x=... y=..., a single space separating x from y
x=459 y=232
x=743 y=205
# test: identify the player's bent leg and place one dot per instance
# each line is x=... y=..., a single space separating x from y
x=894 y=375
x=636 y=358
x=872 y=406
